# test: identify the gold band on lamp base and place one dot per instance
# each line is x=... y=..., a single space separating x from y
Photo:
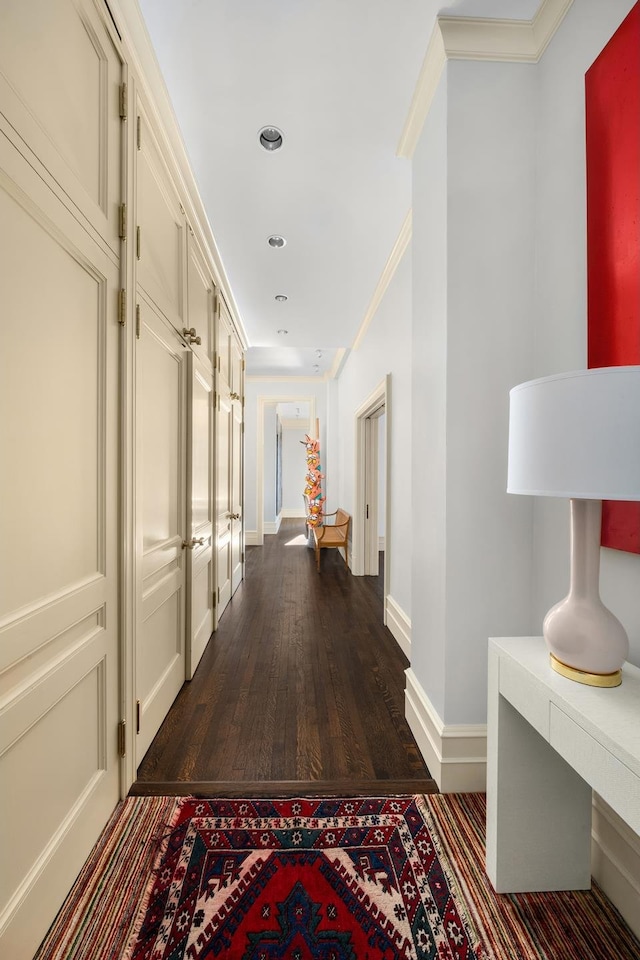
x=581 y=676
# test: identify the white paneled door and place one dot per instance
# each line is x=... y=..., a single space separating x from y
x=199 y=548
x=161 y=496
x=224 y=431
x=59 y=349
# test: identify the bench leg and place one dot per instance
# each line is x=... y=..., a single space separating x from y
x=318 y=557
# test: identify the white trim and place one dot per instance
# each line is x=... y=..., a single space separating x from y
x=380 y=544
x=262 y=402
x=338 y=363
x=294 y=423
x=615 y=861
x=467 y=38
x=377 y=401
x=400 y=625
x=272 y=526
x=428 y=80
x=256 y=379
x=251 y=539
x=456 y=755
x=396 y=255
x=293 y=513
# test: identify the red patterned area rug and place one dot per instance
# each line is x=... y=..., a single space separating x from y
x=335 y=879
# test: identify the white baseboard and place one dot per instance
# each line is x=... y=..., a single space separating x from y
x=251 y=538
x=272 y=526
x=615 y=861
x=380 y=543
x=295 y=513
x=456 y=755
x=400 y=625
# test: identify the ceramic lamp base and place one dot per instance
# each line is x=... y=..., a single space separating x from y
x=581 y=676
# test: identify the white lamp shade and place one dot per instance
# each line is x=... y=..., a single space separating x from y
x=577 y=435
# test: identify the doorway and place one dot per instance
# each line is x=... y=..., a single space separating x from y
x=372 y=512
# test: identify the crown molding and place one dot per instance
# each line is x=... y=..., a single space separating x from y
x=258 y=379
x=338 y=363
x=295 y=423
x=466 y=38
x=396 y=255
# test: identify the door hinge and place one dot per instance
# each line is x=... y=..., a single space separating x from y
x=215 y=359
x=139 y=133
x=367 y=511
x=215 y=600
x=218 y=594
x=244 y=364
x=122 y=307
x=122 y=221
x=243 y=426
x=138 y=321
x=123 y=101
x=137 y=243
x=137 y=716
x=242 y=557
x=122 y=743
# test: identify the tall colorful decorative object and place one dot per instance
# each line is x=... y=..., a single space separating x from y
x=313 y=485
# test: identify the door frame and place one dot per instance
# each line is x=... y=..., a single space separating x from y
x=263 y=403
x=365 y=542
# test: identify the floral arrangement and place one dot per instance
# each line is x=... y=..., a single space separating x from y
x=313 y=484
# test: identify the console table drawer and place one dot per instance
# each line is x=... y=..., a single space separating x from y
x=614 y=781
x=526 y=694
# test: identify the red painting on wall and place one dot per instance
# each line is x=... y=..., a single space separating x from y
x=612 y=95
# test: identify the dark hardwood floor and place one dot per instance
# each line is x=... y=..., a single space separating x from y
x=300 y=691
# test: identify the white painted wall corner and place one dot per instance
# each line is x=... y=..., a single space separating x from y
x=456 y=755
x=399 y=624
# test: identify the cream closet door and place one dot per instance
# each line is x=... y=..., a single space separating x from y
x=161 y=491
x=201 y=584
x=59 y=347
x=199 y=552
x=236 y=460
x=224 y=428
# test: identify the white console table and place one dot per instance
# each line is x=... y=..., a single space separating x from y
x=550 y=741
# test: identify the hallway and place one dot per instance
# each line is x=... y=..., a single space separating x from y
x=300 y=691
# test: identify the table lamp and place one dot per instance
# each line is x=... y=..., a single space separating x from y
x=577 y=435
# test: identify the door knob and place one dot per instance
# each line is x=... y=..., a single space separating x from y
x=234 y=395
x=189 y=333
x=199 y=541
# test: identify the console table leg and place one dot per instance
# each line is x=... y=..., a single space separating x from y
x=538 y=808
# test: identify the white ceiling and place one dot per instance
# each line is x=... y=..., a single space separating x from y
x=337 y=77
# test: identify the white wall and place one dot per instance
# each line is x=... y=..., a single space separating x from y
x=560 y=293
x=473 y=194
x=385 y=349
x=270 y=431
x=294 y=468
x=282 y=390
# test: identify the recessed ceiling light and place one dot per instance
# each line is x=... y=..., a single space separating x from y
x=276 y=241
x=283 y=332
x=280 y=297
x=270 y=138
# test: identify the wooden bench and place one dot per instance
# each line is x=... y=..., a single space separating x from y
x=333 y=535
